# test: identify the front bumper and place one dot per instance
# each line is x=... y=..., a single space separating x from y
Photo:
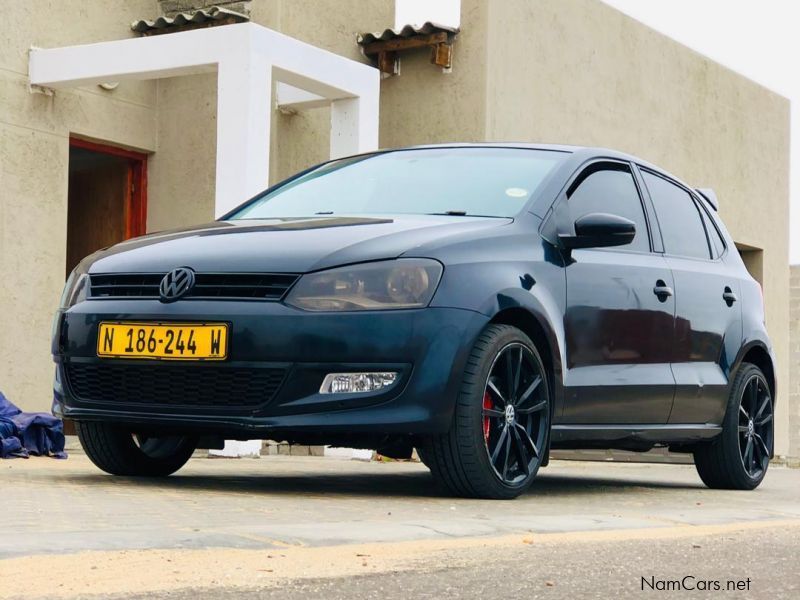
x=428 y=347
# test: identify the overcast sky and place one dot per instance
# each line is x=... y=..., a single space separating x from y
x=758 y=38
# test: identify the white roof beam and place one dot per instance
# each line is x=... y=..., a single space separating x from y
x=248 y=58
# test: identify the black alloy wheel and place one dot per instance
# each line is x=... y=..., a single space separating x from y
x=501 y=423
x=514 y=413
x=738 y=458
x=755 y=426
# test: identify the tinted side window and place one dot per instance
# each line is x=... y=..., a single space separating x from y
x=679 y=218
x=611 y=191
x=717 y=245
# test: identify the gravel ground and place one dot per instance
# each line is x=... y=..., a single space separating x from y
x=690 y=567
x=302 y=527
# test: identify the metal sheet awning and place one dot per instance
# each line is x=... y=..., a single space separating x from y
x=408 y=31
x=385 y=47
x=189 y=20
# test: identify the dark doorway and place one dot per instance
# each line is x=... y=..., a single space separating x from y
x=753 y=259
x=107 y=197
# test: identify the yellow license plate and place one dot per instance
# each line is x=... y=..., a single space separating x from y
x=163 y=341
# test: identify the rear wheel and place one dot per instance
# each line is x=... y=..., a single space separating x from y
x=738 y=458
x=117 y=451
x=502 y=420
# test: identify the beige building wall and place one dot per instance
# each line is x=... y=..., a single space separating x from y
x=793 y=386
x=580 y=72
x=34 y=151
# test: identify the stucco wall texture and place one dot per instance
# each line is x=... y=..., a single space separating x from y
x=34 y=152
x=793 y=387
x=566 y=71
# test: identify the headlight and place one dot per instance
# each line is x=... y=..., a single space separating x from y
x=385 y=285
x=74 y=288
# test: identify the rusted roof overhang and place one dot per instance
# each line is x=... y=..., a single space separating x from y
x=189 y=20
x=385 y=47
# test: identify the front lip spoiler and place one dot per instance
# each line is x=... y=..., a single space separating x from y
x=190 y=421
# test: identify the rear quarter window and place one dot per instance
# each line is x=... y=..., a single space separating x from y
x=679 y=218
x=714 y=236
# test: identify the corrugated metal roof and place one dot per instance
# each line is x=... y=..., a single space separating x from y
x=406 y=32
x=199 y=17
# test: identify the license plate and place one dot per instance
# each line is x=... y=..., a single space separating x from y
x=163 y=341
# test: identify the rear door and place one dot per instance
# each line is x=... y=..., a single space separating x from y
x=707 y=301
x=618 y=330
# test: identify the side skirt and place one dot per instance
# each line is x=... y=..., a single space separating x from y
x=611 y=436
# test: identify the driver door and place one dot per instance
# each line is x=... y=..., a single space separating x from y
x=620 y=315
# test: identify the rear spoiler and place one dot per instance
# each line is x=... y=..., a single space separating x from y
x=709 y=196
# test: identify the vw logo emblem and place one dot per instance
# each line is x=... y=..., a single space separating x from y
x=176 y=284
x=509 y=414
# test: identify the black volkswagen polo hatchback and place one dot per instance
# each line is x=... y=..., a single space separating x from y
x=482 y=303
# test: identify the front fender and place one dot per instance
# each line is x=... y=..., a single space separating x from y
x=497 y=289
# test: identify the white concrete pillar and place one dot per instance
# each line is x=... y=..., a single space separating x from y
x=244 y=105
x=417 y=12
x=354 y=125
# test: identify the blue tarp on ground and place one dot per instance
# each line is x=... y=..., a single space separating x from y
x=23 y=434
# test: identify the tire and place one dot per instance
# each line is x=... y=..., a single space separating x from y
x=460 y=460
x=117 y=451
x=423 y=458
x=738 y=458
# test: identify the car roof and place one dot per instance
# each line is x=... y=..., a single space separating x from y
x=582 y=154
x=525 y=145
x=573 y=149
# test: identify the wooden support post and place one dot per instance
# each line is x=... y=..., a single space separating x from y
x=442 y=54
x=388 y=62
x=386 y=52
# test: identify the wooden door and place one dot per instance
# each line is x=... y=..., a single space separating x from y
x=106 y=198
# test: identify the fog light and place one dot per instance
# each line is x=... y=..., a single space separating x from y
x=354 y=383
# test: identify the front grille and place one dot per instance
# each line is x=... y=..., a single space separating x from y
x=220 y=286
x=126 y=285
x=265 y=286
x=174 y=385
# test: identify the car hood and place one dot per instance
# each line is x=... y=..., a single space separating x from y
x=296 y=245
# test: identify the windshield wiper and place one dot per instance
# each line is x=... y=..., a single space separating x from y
x=463 y=213
x=452 y=213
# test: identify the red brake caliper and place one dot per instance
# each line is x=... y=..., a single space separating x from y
x=488 y=404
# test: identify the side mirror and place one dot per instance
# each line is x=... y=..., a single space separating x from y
x=599 y=230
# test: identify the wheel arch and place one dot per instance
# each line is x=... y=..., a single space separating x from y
x=757 y=353
x=543 y=337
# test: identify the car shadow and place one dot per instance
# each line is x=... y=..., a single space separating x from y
x=419 y=484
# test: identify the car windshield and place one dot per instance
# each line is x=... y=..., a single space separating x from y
x=491 y=182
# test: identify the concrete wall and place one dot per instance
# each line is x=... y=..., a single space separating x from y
x=181 y=173
x=792 y=394
x=424 y=105
x=580 y=72
x=34 y=150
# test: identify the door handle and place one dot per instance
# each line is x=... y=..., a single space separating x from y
x=729 y=296
x=662 y=291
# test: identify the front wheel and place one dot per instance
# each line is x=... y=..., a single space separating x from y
x=501 y=425
x=738 y=458
x=117 y=451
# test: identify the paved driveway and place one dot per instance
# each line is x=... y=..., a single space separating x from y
x=226 y=525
